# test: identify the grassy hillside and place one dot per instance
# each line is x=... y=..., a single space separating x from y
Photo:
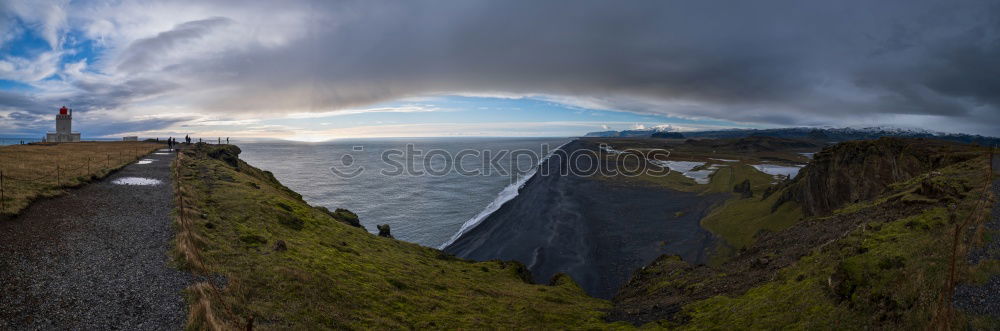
x=890 y=274
x=289 y=265
x=740 y=218
x=882 y=261
x=46 y=169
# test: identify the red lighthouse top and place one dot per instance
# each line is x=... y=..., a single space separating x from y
x=63 y=110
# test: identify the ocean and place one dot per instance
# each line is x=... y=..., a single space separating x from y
x=447 y=186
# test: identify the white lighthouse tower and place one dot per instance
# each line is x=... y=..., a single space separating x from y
x=64 y=128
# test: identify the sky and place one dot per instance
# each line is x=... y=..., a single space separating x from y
x=318 y=70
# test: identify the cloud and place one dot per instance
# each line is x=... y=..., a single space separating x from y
x=29 y=70
x=48 y=18
x=142 y=54
x=928 y=63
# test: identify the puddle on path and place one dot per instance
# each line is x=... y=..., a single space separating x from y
x=145 y=161
x=136 y=181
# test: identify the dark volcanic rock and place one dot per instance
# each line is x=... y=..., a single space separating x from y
x=596 y=230
x=384 y=231
x=861 y=170
x=343 y=215
x=743 y=189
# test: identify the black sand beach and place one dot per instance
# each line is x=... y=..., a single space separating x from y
x=595 y=230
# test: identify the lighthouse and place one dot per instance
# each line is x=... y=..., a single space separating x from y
x=64 y=128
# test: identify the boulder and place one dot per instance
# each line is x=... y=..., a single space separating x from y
x=743 y=189
x=384 y=231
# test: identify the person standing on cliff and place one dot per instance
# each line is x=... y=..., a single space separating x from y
x=187 y=139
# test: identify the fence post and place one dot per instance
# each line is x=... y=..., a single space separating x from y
x=57 y=175
x=109 y=162
x=88 y=165
x=2 y=203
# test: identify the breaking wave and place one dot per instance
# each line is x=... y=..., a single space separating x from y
x=508 y=193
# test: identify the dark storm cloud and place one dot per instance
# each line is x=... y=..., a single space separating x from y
x=931 y=63
x=780 y=62
x=143 y=53
x=98 y=127
x=21 y=101
x=105 y=95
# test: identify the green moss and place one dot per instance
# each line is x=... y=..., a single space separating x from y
x=793 y=304
x=731 y=174
x=334 y=275
x=739 y=220
x=885 y=274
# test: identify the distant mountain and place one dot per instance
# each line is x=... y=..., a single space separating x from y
x=622 y=134
x=668 y=135
x=610 y=133
x=817 y=134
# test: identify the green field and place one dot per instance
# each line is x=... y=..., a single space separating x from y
x=42 y=170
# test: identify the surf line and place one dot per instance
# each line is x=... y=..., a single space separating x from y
x=508 y=193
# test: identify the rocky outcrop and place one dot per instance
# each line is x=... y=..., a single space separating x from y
x=227 y=153
x=384 y=231
x=343 y=215
x=743 y=189
x=860 y=170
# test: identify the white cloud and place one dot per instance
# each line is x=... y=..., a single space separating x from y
x=30 y=70
x=399 y=109
x=48 y=18
x=307 y=59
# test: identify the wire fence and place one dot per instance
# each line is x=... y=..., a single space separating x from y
x=63 y=173
x=981 y=210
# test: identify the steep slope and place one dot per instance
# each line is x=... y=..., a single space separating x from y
x=281 y=263
x=881 y=261
x=861 y=170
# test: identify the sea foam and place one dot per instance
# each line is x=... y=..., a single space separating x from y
x=508 y=193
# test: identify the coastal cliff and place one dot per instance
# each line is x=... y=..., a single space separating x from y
x=855 y=171
x=871 y=252
x=276 y=262
x=871 y=256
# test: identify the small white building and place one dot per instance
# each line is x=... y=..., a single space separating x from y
x=64 y=128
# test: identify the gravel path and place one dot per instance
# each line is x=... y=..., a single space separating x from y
x=984 y=299
x=95 y=258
